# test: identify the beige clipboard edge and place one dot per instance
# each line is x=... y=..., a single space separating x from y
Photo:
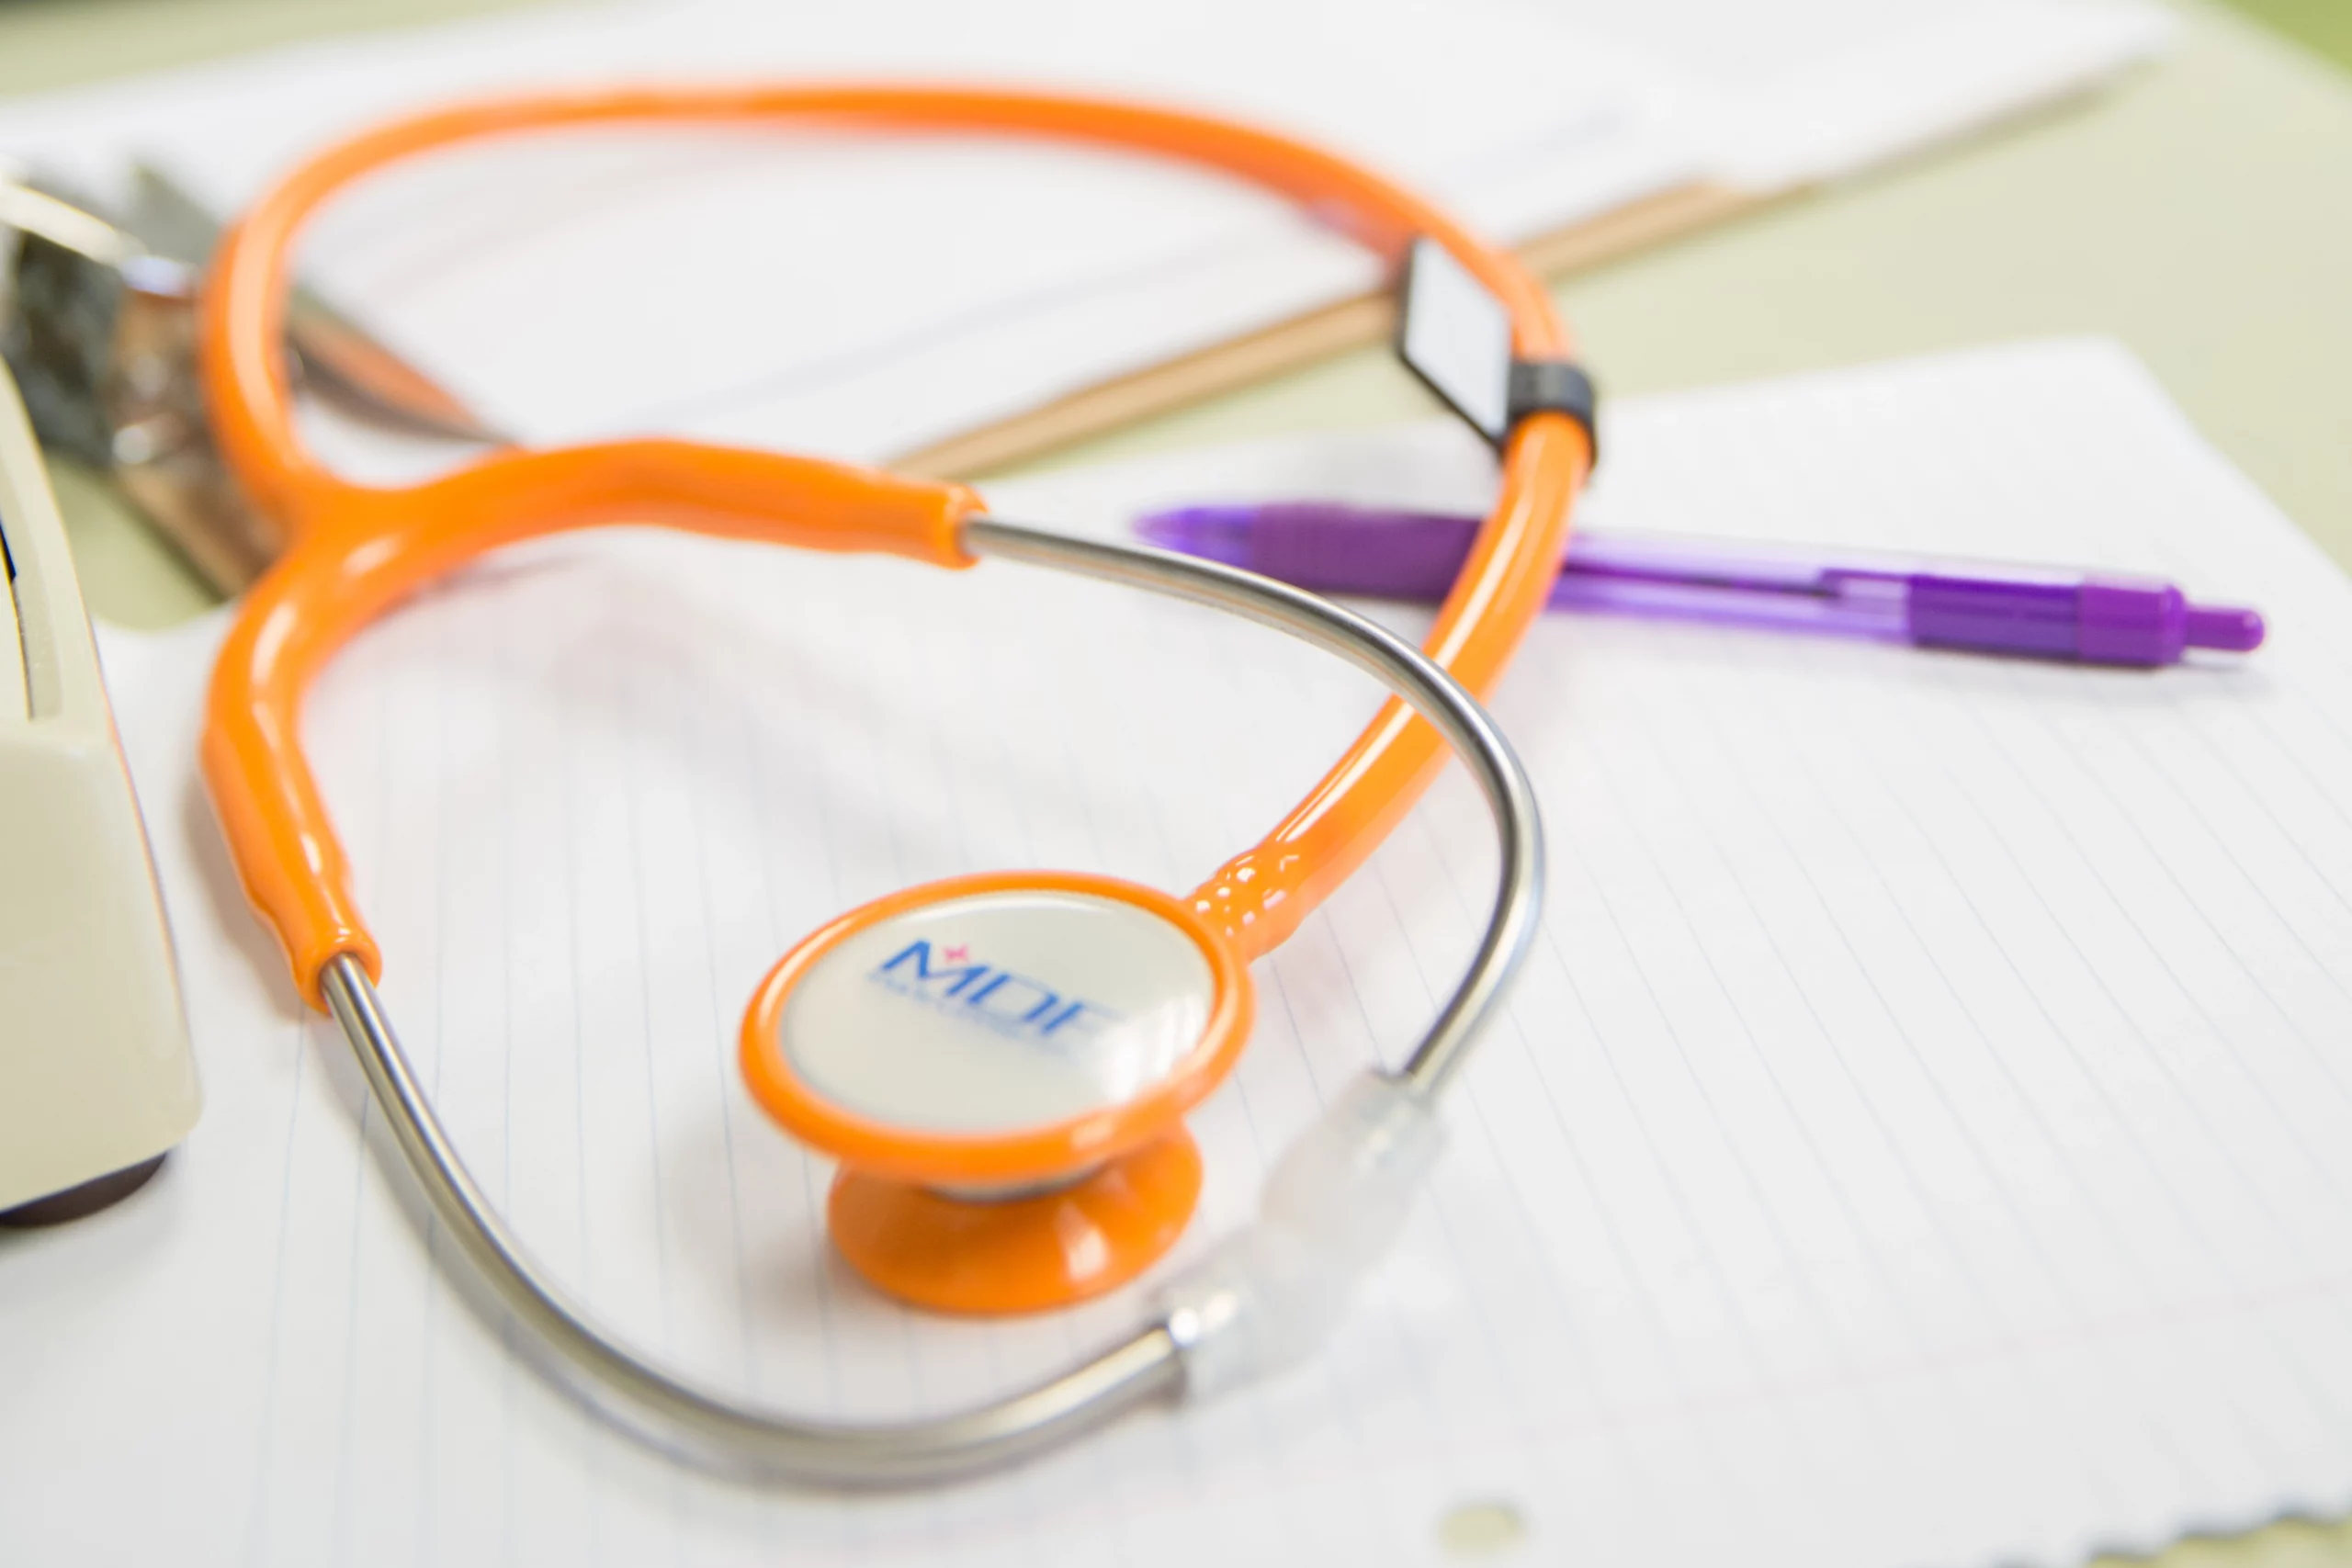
x=1302 y=339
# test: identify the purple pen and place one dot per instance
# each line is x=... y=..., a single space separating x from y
x=2093 y=617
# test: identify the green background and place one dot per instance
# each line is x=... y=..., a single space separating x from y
x=2324 y=26
x=2200 y=211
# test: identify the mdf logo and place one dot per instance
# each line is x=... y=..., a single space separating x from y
x=949 y=980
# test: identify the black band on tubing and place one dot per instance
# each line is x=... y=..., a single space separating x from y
x=1556 y=385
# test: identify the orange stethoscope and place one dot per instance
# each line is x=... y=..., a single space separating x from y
x=1000 y=1063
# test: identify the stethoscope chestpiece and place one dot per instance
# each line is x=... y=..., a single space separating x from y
x=1001 y=1064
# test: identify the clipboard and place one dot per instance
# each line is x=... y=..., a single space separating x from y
x=1306 y=339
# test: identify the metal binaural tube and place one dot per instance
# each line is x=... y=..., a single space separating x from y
x=678 y=1415
x=710 y=1428
x=1404 y=669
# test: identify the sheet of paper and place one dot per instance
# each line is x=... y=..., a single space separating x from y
x=871 y=297
x=1922 y=1134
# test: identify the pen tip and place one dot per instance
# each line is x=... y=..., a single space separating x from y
x=1165 y=529
x=2234 y=631
x=1214 y=532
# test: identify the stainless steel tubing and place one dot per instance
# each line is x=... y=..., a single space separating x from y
x=1404 y=669
x=710 y=1428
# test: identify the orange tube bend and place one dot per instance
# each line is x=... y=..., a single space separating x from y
x=1260 y=895
x=378 y=546
x=358 y=550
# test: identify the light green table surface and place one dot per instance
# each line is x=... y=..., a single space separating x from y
x=2200 y=211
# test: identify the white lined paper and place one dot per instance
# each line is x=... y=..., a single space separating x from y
x=1918 y=1137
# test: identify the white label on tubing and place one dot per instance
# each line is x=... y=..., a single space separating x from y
x=999 y=1012
x=1455 y=336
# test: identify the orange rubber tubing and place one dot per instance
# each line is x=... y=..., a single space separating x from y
x=358 y=550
